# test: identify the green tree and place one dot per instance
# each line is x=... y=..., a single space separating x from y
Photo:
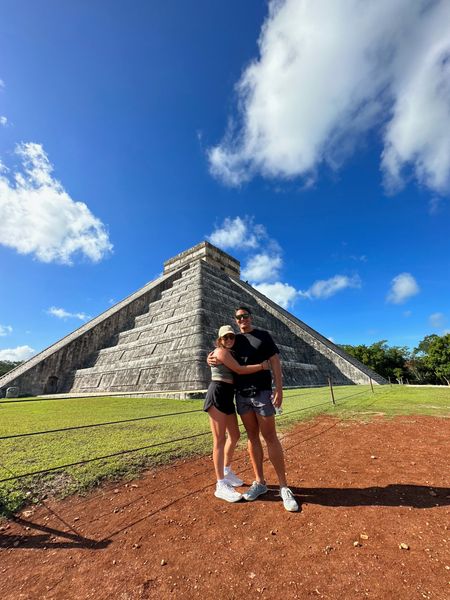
x=389 y=362
x=424 y=346
x=398 y=374
x=418 y=370
x=437 y=358
x=7 y=365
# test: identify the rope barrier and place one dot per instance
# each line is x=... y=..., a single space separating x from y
x=44 y=399
x=146 y=447
x=89 y=460
x=18 y=435
x=75 y=427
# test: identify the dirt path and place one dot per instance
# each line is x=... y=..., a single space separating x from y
x=364 y=489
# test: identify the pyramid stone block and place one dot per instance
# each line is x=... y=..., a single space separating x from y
x=156 y=340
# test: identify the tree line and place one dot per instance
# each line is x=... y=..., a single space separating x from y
x=429 y=363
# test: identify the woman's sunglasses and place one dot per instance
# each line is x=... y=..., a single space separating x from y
x=228 y=336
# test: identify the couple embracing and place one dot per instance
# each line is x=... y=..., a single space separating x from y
x=244 y=364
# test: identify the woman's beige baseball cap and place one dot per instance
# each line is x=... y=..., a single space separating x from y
x=226 y=329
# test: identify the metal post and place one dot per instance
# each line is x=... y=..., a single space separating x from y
x=371 y=385
x=331 y=390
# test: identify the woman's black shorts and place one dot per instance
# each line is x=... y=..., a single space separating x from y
x=220 y=395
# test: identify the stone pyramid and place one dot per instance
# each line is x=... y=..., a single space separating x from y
x=156 y=340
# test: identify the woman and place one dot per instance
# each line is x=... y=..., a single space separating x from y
x=219 y=405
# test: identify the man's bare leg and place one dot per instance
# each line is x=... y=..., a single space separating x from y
x=255 y=448
x=274 y=448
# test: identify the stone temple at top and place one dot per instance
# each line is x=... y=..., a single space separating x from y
x=155 y=341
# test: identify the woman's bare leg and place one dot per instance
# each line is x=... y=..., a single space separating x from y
x=233 y=435
x=218 y=422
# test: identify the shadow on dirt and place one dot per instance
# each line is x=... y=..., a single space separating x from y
x=395 y=494
x=49 y=539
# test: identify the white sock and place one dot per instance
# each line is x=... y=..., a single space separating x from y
x=226 y=470
x=220 y=481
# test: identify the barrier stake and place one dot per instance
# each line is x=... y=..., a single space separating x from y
x=332 y=392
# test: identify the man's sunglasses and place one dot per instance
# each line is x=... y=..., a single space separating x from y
x=228 y=336
x=240 y=317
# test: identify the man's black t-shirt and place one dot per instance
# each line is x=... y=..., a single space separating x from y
x=250 y=349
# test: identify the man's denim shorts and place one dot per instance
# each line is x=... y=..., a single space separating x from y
x=261 y=403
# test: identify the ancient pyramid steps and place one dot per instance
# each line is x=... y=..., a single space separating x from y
x=163 y=349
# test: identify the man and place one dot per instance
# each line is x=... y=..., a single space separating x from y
x=256 y=404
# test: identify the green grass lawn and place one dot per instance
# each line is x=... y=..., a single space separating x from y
x=21 y=455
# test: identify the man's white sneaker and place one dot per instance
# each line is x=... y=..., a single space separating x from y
x=289 y=501
x=225 y=491
x=255 y=490
x=233 y=479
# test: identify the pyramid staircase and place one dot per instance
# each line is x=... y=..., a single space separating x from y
x=167 y=346
x=164 y=350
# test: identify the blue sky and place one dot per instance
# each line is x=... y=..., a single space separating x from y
x=308 y=139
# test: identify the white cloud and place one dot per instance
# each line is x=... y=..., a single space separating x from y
x=285 y=294
x=61 y=313
x=417 y=134
x=261 y=267
x=330 y=72
x=5 y=330
x=437 y=320
x=18 y=353
x=37 y=216
x=325 y=288
x=3 y=121
x=407 y=313
x=403 y=287
x=237 y=233
x=281 y=293
x=2 y=84
x=243 y=233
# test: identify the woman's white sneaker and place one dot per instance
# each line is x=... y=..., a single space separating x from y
x=289 y=501
x=225 y=491
x=233 y=479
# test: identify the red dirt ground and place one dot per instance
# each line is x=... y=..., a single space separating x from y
x=365 y=488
